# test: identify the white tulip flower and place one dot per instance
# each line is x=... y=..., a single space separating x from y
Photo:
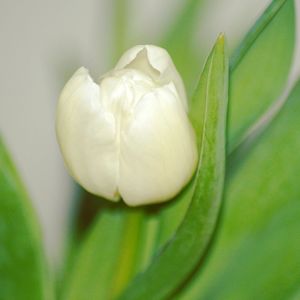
x=129 y=135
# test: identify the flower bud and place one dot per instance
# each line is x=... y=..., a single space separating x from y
x=128 y=135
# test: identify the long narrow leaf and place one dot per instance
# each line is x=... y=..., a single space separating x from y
x=257 y=253
x=258 y=73
x=260 y=68
x=179 y=41
x=22 y=263
x=106 y=260
x=120 y=26
x=180 y=256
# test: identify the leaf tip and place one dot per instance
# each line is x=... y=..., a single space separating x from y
x=220 y=43
x=221 y=38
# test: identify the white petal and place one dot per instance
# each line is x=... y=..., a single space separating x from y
x=160 y=60
x=158 y=153
x=86 y=134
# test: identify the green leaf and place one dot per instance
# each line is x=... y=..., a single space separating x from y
x=164 y=223
x=180 y=256
x=179 y=41
x=173 y=212
x=22 y=261
x=107 y=259
x=120 y=26
x=250 y=88
x=257 y=252
x=259 y=68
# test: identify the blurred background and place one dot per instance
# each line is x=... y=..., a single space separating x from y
x=44 y=42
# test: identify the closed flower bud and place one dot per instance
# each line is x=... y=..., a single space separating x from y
x=128 y=136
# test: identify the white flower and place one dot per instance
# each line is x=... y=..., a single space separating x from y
x=128 y=136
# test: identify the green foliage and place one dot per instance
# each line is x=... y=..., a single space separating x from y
x=160 y=226
x=253 y=44
x=22 y=263
x=193 y=236
x=120 y=28
x=102 y=272
x=92 y=263
x=120 y=230
x=179 y=41
x=260 y=67
x=257 y=252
